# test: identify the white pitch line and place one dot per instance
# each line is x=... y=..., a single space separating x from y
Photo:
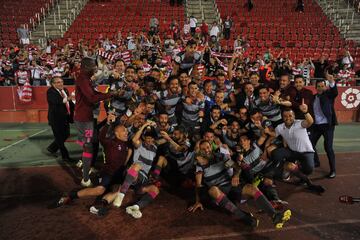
x=286 y=228
x=13 y=144
x=20 y=130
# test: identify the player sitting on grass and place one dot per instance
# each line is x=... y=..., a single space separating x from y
x=212 y=169
x=178 y=161
x=138 y=173
x=117 y=154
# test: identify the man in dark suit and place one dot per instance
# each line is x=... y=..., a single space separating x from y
x=60 y=114
x=325 y=120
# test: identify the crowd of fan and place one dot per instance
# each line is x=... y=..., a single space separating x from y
x=154 y=50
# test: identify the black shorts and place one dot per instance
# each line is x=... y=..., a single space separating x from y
x=141 y=181
x=172 y=174
x=106 y=180
x=233 y=193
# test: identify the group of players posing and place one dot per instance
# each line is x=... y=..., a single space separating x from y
x=185 y=132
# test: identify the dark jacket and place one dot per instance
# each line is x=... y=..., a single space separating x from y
x=308 y=97
x=86 y=97
x=57 y=112
x=327 y=100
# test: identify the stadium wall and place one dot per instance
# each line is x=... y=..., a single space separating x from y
x=347 y=105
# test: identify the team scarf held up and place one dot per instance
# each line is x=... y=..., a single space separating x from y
x=125 y=55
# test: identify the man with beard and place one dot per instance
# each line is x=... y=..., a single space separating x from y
x=231 y=135
x=168 y=99
x=211 y=169
x=184 y=61
x=325 y=120
x=246 y=98
x=126 y=88
x=178 y=161
x=214 y=121
x=287 y=91
x=302 y=93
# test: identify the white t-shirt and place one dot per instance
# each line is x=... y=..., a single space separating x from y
x=193 y=22
x=214 y=31
x=296 y=137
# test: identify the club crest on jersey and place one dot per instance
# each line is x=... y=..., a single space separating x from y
x=119 y=147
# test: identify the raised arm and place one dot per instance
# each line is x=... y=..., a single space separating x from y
x=136 y=140
x=308 y=118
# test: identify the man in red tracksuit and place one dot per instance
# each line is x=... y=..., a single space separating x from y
x=117 y=154
x=86 y=97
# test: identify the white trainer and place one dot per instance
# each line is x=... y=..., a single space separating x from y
x=134 y=211
x=79 y=164
x=93 y=170
x=118 y=199
x=87 y=183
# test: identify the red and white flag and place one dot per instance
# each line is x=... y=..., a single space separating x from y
x=25 y=93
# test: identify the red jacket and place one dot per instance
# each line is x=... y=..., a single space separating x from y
x=115 y=150
x=86 y=97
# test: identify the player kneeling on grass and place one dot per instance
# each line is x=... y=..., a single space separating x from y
x=212 y=169
x=257 y=169
x=138 y=173
x=178 y=161
x=117 y=154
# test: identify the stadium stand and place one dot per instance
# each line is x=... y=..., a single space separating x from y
x=301 y=35
x=15 y=13
x=107 y=18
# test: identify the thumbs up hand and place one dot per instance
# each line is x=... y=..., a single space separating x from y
x=303 y=107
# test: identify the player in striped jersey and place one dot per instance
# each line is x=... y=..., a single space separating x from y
x=138 y=173
x=178 y=161
x=212 y=170
x=126 y=86
x=169 y=98
x=226 y=86
x=269 y=105
x=257 y=168
x=193 y=109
